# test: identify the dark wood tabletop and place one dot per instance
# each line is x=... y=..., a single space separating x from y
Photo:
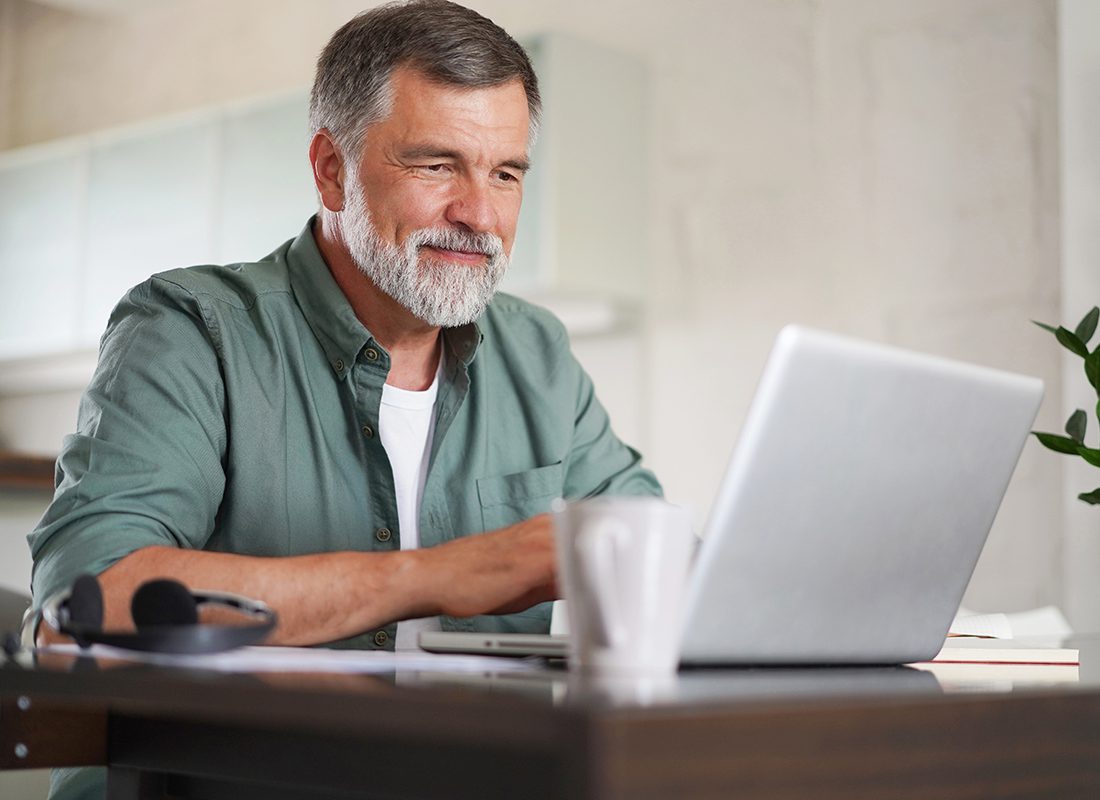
x=890 y=732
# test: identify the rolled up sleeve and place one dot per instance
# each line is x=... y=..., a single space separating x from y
x=145 y=466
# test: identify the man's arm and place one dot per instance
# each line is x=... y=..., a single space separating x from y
x=143 y=479
x=330 y=596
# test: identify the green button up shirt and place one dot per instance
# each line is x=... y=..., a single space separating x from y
x=235 y=409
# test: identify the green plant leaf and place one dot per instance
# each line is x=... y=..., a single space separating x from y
x=1092 y=368
x=1087 y=326
x=1059 y=444
x=1090 y=455
x=1076 y=425
x=1044 y=326
x=1070 y=341
x=1092 y=498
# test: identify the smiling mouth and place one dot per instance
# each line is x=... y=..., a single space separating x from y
x=461 y=256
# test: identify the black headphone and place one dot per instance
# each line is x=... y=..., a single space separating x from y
x=166 y=614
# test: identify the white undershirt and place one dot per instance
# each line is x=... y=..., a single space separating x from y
x=405 y=426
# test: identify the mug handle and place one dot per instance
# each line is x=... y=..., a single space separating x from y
x=597 y=547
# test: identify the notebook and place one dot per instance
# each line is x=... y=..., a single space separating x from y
x=852 y=513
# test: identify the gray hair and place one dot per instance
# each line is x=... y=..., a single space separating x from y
x=447 y=42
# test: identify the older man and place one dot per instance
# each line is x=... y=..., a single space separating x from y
x=327 y=429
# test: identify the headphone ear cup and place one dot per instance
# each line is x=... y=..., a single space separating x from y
x=163 y=602
x=82 y=610
x=85 y=604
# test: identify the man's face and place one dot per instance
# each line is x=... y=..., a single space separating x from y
x=432 y=217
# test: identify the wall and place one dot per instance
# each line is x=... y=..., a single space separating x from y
x=877 y=167
x=885 y=169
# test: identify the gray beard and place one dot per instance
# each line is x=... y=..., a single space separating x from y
x=439 y=292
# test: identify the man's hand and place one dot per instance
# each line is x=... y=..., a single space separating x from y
x=499 y=572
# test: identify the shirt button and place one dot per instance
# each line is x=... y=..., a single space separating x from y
x=383 y=534
x=338 y=365
x=380 y=638
x=368 y=431
x=371 y=354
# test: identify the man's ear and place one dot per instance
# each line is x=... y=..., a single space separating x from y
x=328 y=170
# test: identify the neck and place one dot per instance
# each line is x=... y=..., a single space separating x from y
x=413 y=345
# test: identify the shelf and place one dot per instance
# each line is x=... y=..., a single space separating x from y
x=21 y=471
x=46 y=372
x=585 y=315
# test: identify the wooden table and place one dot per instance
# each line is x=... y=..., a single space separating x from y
x=768 y=733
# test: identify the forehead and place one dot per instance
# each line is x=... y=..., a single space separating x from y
x=492 y=118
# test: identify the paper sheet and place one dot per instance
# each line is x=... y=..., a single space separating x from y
x=1047 y=621
x=994 y=625
x=308 y=659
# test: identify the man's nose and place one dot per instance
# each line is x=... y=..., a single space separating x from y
x=472 y=207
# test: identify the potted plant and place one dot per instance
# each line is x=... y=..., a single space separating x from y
x=1073 y=443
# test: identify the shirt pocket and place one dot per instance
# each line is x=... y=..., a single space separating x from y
x=508 y=499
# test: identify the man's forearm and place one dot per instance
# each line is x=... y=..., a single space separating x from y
x=329 y=596
x=318 y=598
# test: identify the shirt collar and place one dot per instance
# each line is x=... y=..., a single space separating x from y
x=462 y=342
x=330 y=316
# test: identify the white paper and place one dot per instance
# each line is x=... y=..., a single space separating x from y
x=307 y=659
x=994 y=625
x=1045 y=622
x=1048 y=621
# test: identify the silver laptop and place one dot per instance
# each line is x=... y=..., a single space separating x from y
x=852 y=513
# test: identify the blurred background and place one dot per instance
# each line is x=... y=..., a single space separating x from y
x=919 y=173
x=923 y=174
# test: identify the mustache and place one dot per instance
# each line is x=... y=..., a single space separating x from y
x=486 y=244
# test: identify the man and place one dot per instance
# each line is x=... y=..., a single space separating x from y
x=329 y=428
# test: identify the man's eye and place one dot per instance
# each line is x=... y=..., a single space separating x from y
x=507 y=177
x=435 y=169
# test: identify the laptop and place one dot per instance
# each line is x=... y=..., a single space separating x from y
x=851 y=515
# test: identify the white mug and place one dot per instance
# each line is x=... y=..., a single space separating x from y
x=623 y=564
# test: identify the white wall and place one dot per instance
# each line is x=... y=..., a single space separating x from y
x=885 y=169
x=879 y=167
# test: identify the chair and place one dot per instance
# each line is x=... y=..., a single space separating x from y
x=12 y=606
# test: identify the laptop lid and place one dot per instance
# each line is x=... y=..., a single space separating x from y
x=855 y=504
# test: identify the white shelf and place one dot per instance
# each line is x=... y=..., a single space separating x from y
x=584 y=316
x=47 y=372
x=231 y=182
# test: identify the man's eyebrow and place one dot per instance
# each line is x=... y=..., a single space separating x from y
x=427 y=151
x=519 y=164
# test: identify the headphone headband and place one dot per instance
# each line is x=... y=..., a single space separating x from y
x=78 y=612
